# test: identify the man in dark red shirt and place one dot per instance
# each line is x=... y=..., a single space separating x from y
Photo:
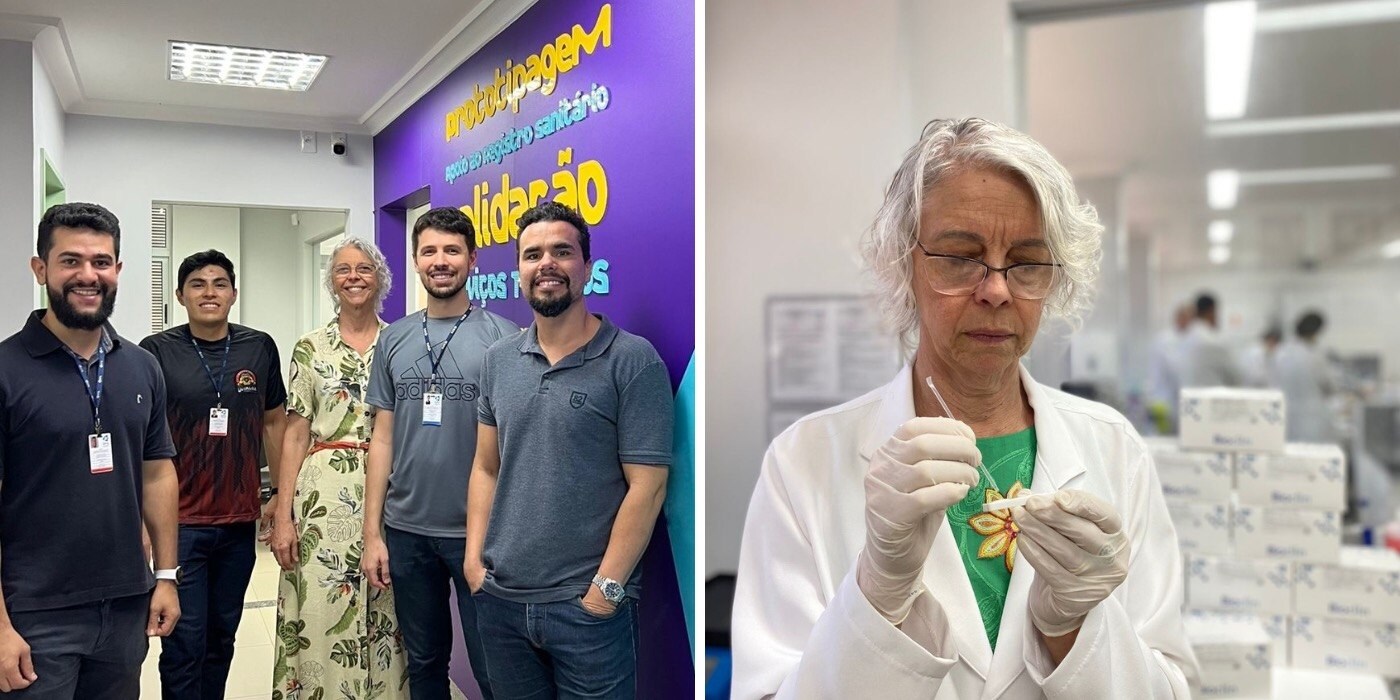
x=225 y=405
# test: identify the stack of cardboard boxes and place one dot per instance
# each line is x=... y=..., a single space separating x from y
x=1259 y=524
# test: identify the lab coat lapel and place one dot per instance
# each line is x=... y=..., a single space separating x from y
x=945 y=577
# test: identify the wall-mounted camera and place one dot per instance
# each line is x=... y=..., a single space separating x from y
x=338 y=144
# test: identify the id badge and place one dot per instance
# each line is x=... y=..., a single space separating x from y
x=218 y=422
x=432 y=408
x=100 y=453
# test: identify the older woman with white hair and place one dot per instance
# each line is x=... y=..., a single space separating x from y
x=870 y=567
x=336 y=636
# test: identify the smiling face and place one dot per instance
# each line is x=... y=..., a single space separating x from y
x=987 y=215
x=207 y=295
x=80 y=276
x=355 y=278
x=552 y=269
x=443 y=261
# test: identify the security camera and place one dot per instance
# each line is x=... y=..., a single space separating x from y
x=338 y=144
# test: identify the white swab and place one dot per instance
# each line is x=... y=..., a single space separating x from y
x=948 y=413
x=1005 y=503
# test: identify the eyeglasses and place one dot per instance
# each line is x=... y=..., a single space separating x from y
x=957 y=276
x=362 y=270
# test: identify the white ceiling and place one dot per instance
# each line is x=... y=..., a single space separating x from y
x=1123 y=95
x=109 y=58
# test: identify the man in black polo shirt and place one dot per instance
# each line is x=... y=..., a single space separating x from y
x=225 y=391
x=84 y=459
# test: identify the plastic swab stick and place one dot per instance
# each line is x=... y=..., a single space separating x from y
x=1005 y=503
x=982 y=467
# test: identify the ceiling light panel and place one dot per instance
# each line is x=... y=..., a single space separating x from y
x=1220 y=254
x=1324 y=15
x=1220 y=233
x=1303 y=125
x=1229 y=30
x=1223 y=188
x=244 y=67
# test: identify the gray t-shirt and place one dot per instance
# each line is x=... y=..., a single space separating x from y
x=428 y=482
x=564 y=433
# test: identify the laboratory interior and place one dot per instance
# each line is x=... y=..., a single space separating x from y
x=1244 y=160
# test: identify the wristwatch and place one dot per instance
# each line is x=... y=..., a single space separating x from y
x=613 y=591
x=176 y=574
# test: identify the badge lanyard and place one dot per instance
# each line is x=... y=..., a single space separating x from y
x=436 y=362
x=223 y=370
x=94 y=396
x=432 y=398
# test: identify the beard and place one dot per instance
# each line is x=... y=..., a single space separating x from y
x=69 y=315
x=549 y=308
x=439 y=293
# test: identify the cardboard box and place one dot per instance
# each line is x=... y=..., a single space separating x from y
x=1263 y=532
x=1278 y=628
x=1202 y=527
x=1363 y=585
x=1238 y=585
x=1346 y=645
x=1302 y=476
x=1219 y=418
x=1233 y=652
x=1185 y=475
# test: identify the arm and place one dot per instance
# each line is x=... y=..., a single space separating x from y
x=631 y=531
x=274 y=426
x=375 y=561
x=296 y=440
x=481 y=494
x=160 y=509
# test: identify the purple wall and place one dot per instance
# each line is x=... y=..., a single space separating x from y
x=638 y=95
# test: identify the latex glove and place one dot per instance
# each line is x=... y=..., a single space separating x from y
x=1075 y=542
x=922 y=469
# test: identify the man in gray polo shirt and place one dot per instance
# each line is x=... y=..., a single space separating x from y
x=572 y=453
x=423 y=387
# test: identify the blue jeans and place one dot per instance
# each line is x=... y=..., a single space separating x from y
x=86 y=651
x=217 y=561
x=421 y=569
x=558 y=650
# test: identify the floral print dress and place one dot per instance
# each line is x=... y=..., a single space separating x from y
x=337 y=637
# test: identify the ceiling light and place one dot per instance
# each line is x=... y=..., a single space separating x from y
x=1391 y=249
x=1302 y=125
x=1338 y=14
x=232 y=65
x=1229 y=48
x=1220 y=233
x=1293 y=176
x=1220 y=254
x=1223 y=188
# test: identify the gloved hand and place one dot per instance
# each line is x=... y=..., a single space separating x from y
x=1075 y=542
x=922 y=469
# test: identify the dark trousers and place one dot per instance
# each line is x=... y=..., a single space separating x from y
x=539 y=651
x=92 y=651
x=421 y=570
x=217 y=562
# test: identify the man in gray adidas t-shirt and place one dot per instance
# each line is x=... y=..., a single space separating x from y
x=573 y=448
x=424 y=387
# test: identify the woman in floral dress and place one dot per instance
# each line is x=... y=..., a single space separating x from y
x=336 y=636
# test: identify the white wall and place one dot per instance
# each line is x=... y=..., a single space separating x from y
x=194 y=229
x=125 y=164
x=809 y=108
x=18 y=195
x=276 y=276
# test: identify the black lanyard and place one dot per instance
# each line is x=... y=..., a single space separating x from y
x=94 y=397
x=218 y=383
x=437 y=362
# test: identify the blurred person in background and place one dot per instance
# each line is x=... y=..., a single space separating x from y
x=1167 y=350
x=1306 y=380
x=1205 y=359
x=868 y=567
x=1257 y=360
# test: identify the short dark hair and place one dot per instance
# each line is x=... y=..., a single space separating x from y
x=1273 y=333
x=447 y=220
x=78 y=215
x=554 y=211
x=202 y=260
x=1205 y=304
x=1309 y=324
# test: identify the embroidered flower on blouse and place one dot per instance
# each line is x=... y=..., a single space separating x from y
x=997 y=529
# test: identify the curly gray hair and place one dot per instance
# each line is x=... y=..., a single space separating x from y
x=381 y=270
x=1072 y=228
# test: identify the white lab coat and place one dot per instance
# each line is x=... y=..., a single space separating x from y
x=803 y=629
x=1206 y=360
x=1306 y=381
